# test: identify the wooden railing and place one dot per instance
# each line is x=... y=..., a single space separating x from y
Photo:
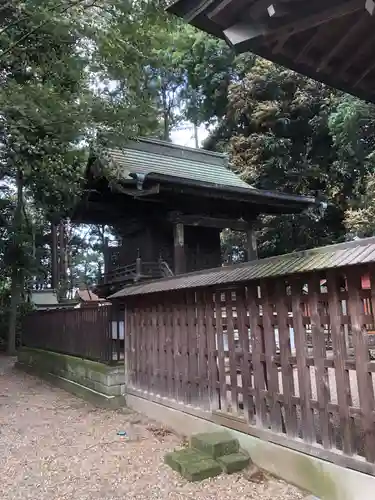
x=95 y=333
x=285 y=359
x=138 y=271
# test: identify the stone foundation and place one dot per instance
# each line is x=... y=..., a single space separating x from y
x=77 y=374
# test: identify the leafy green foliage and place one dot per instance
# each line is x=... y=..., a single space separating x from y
x=285 y=132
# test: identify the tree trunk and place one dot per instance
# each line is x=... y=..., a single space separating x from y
x=54 y=273
x=16 y=274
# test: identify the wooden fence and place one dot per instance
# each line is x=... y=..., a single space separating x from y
x=95 y=333
x=285 y=359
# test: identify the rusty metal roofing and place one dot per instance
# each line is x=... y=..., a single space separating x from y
x=332 y=256
x=146 y=156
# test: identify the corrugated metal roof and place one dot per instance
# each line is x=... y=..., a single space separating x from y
x=150 y=156
x=332 y=256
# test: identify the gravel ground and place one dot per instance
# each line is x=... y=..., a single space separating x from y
x=56 y=447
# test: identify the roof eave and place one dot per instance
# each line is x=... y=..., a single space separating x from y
x=274 y=198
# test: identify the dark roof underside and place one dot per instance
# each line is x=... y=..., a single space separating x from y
x=332 y=41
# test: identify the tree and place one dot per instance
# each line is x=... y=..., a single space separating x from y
x=276 y=131
x=352 y=125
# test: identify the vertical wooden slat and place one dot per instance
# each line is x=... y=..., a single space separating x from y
x=169 y=347
x=304 y=379
x=141 y=331
x=285 y=353
x=243 y=335
x=232 y=351
x=213 y=371
x=162 y=358
x=257 y=352
x=128 y=347
x=184 y=350
x=319 y=349
x=221 y=355
x=364 y=378
x=192 y=347
x=202 y=333
x=176 y=319
x=154 y=350
x=340 y=356
x=148 y=333
x=272 y=380
x=137 y=342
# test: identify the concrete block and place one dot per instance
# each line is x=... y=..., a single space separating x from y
x=192 y=464
x=233 y=462
x=215 y=444
x=197 y=471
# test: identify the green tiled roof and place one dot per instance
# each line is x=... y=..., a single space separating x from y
x=146 y=156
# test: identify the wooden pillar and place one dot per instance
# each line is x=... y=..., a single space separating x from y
x=252 y=248
x=54 y=269
x=179 y=249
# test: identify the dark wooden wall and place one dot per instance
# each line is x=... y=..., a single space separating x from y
x=202 y=248
x=155 y=240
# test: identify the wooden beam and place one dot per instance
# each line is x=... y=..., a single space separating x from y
x=179 y=249
x=310 y=44
x=355 y=28
x=362 y=49
x=205 y=221
x=224 y=10
x=136 y=193
x=311 y=21
x=307 y=21
x=243 y=32
x=363 y=75
x=192 y=14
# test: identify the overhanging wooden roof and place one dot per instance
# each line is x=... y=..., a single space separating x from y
x=148 y=167
x=332 y=41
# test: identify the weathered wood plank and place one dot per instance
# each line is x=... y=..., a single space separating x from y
x=243 y=335
x=162 y=356
x=184 y=349
x=202 y=333
x=340 y=356
x=176 y=321
x=304 y=379
x=285 y=353
x=221 y=355
x=257 y=343
x=169 y=345
x=272 y=377
x=232 y=348
x=192 y=347
x=212 y=356
x=319 y=349
x=364 y=378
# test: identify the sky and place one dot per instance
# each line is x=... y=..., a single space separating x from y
x=185 y=136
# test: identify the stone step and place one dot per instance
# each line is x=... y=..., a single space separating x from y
x=192 y=464
x=234 y=462
x=215 y=444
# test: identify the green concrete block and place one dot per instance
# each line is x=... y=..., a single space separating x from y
x=175 y=459
x=192 y=464
x=234 y=462
x=215 y=444
x=197 y=471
